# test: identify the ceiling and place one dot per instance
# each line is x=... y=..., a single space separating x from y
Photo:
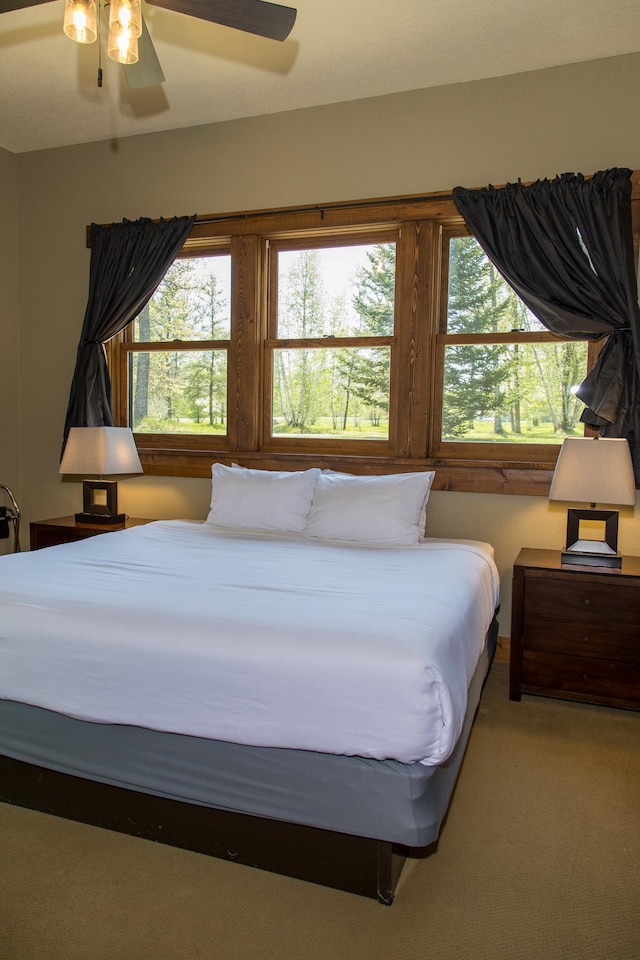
x=338 y=50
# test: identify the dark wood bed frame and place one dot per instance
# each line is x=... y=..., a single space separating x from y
x=367 y=867
x=370 y=868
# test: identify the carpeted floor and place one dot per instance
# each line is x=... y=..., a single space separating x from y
x=539 y=860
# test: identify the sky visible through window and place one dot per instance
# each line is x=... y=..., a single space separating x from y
x=339 y=268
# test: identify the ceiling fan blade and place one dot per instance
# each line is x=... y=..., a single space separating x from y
x=265 y=19
x=146 y=72
x=7 y=5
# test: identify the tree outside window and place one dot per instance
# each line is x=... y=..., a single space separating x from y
x=506 y=379
x=333 y=295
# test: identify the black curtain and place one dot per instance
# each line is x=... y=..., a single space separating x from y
x=128 y=261
x=566 y=248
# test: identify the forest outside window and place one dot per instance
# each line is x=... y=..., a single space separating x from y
x=328 y=359
x=507 y=383
x=373 y=338
x=176 y=352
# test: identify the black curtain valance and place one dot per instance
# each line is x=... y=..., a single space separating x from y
x=566 y=247
x=128 y=261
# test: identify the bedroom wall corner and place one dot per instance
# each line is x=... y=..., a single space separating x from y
x=9 y=331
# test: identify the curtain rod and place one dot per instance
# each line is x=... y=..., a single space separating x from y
x=361 y=204
x=321 y=208
x=347 y=205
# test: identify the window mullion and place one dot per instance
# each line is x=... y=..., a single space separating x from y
x=416 y=296
x=247 y=298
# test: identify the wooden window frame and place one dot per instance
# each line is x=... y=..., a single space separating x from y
x=330 y=445
x=451 y=449
x=420 y=224
x=119 y=351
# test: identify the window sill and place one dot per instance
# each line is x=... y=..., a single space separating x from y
x=465 y=476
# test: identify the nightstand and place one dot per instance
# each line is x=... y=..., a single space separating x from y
x=49 y=533
x=575 y=631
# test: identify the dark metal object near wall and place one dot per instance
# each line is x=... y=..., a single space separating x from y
x=10 y=519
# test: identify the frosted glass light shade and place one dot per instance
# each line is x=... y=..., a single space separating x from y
x=122 y=47
x=100 y=451
x=594 y=471
x=80 y=20
x=125 y=16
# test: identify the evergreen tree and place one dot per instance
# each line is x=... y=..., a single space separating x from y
x=169 y=319
x=141 y=369
x=374 y=302
x=474 y=376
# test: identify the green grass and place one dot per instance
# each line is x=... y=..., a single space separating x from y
x=155 y=425
x=323 y=427
x=482 y=431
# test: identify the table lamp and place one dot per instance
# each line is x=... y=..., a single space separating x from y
x=100 y=451
x=593 y=470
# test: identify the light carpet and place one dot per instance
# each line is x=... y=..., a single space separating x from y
x=539 y=859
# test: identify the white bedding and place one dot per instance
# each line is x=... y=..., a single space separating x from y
x=274 y=642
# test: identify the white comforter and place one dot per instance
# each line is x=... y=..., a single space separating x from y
x=287 y=643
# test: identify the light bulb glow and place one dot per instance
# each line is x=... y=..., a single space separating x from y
x=123 y=46
x=80 y=20
x=125 y=16
x=123 y=42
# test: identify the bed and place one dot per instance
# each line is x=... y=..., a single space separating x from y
x=290 y=684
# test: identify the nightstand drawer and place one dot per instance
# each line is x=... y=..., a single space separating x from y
x=583 y=676
x=583 y=598
x=615 y=641
x=575 y=633
x=51 y=537
x=51 y=533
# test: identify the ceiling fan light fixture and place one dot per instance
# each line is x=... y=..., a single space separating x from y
x=122 y=46
x=125 y=16
x=80 y=20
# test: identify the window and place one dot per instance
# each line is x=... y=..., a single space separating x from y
x=177 y=354
x=373 y=337
x=330 y=342
x=505 y=380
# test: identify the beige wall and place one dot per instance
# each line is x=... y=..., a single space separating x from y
x=9 y=369
x=529 y=125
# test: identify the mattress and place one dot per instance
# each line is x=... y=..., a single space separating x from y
x=256 y=640
x=380 y=799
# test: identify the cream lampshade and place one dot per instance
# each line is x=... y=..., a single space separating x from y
x=594 y=471
x=100 y=452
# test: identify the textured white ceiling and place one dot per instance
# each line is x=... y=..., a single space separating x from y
x=338 y=50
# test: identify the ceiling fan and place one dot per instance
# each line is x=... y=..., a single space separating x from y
x=129 y=42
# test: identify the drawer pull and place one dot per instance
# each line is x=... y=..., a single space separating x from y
x=585 y=676
x=587 y=603
x=587 y=640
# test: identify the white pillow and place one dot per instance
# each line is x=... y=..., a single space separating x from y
x=381 y=510
x=267 y=500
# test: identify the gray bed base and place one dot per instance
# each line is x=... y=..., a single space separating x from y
x=289 y=811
